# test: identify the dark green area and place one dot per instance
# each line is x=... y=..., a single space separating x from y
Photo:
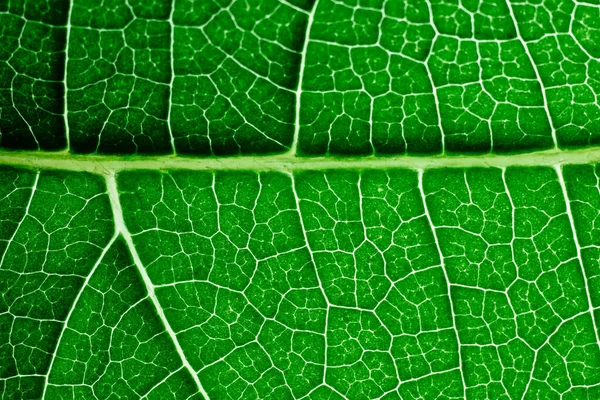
x=114 y=344
x=53 y=229
x=32 y=71
x=221 y=77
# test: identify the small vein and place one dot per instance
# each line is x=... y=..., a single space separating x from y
x=311 y=17
x=121 y=228
x=535 y=70
x=563 y=187
x=25 y=214
x=442 y=263
x=66 y=322
x=172 y=66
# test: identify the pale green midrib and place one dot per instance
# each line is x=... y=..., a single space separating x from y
x=105 y=164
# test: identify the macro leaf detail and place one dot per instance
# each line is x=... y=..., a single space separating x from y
x=381 y=283
x=299 y=199
x=320 y=77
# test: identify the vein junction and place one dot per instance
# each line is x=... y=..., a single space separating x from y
x=345 y=283
x=309 y=77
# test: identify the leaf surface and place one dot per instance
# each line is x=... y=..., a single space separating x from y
x=305 y=265
x=313 y=77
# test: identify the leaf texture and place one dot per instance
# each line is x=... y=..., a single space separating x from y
x=321 y=77
x=305 y=265
x=474 y=283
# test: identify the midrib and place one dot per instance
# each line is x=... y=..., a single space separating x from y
x=104 y=164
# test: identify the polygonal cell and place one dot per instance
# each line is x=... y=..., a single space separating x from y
x=32 y=74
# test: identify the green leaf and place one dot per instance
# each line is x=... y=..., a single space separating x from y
x=313 y=77
x=385 y=282
x=453 y=268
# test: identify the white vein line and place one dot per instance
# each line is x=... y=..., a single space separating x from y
x=321 y=287
x=170 y=129
x=166 y=378
x=535 y=69
x=561 y=180
x=65 y=88
x=311 y=18
x=294 y=7
x=25 y=214
x=66 y=323
x=121 y=228
x=430 y=75
x=443 y=265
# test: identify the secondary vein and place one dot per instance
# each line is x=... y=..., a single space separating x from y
x=120 y=227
